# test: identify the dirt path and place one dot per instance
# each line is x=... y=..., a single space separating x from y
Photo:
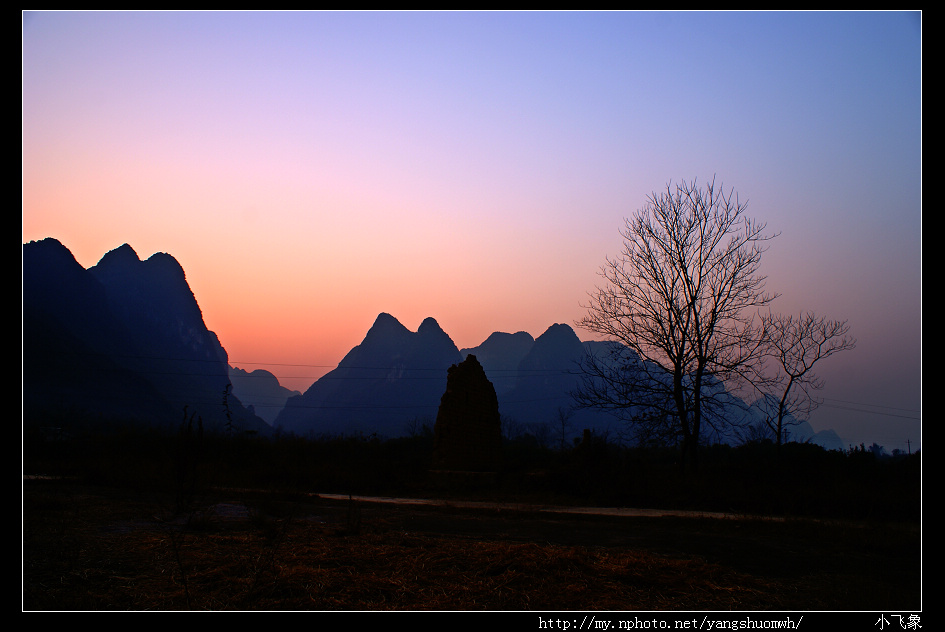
x=628 y=512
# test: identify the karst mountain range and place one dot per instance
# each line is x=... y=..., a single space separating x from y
x=124 y=341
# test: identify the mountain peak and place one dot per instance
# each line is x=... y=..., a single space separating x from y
x=429 y=326
x=48 y=253
x=48 y=244
x=122 y=256
x=559 y=346
x=384 y=317
x=166 y=264
x=385 y=327
x=558 y=331
x=385 y=321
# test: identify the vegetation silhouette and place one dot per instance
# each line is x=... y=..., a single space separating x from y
x=186 y=555
x=797 y=344
x=187 y=465
x=859 y=483
x=680 y=307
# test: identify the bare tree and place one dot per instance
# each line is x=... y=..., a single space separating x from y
x=563 y=426
x=679 y=303
x=511 y=428
x=797 y=343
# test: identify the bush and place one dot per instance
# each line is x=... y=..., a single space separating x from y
x=801 y=480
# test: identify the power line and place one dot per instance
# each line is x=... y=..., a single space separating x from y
x=233 y=363
x=410 y=374
x=871 y=412
x=909 y=410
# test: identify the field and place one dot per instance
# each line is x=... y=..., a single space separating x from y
x=108 y=547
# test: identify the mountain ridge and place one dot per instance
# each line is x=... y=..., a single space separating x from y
x=123 y=340
x=393 y=375
x=135 y=327
x=260 y=391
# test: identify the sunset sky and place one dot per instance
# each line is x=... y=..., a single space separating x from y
x=311 y=170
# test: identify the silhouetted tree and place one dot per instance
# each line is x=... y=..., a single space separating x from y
x=797 y=343
x=541 y=430
x=189 y=454
x=511 y=428
x=681 y=298
x=563 y=426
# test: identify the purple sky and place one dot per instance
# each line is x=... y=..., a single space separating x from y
x=311 y=170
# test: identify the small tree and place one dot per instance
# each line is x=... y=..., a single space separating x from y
x=679 y=302
x=511 y=428
x=797 y=343
x=563 y=427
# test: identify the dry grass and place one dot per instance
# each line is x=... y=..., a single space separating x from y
x=103 y=549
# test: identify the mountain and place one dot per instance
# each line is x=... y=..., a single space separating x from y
x=122 y=341
x=799 y=431
x=500 y=355
x=544 y=380
x=393 y=376
x=829 y=440
x=804 y=433
x=74 y=347
x=125 y=341
x=260 y=391
x=537 y=391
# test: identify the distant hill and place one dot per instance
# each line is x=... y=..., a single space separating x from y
x=541 y=401
x=260 y=391
x=393 y=376
x=396 y=378
x=799 y=431
x=500 y=354
x=123 y=341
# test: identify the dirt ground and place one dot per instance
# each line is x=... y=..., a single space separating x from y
x=95 y=548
